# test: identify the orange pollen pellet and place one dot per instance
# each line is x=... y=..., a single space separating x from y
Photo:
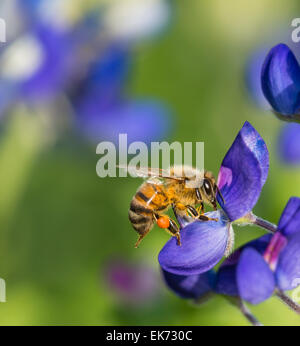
x=163 y=222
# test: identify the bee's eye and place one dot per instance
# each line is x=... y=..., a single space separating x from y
x=207 y=187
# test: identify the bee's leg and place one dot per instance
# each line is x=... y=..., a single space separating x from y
x=206 y=218
x=202 y=217
x=180 y=210
x=200 y=209
x=141 y=237
x=193 y=211
x=139 y=240
x=172 y=228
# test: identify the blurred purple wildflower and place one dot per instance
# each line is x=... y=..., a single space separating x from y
x=84 y=62
x=51 y=61
x=288 y=144
x=242 y=175
x=132 y=283
x=102 y=109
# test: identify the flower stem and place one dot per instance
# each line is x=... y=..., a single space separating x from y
x=248 y=314
x=288 y=301
x=270 y=227
x=238 y=302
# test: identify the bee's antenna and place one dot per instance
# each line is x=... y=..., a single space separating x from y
x=219 y=192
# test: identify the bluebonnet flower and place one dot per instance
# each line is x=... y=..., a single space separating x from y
x=276 y=77
x=269 y=263
x=280 y=78
x=254 y=272
x=242 y=175
x=87 y=64
x=104 y=81
x=102 y=110
x=51 y=60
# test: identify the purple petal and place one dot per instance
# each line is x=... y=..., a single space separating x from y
x=254 y=278
x=243 y=172
x=289 y=144
x=289 y=222
x=226 y=276
x=203 y=246
x=226 y=281
x=288 y=266
x=107 y=75
x=141 y=120
x=280 y=79
x=190 y=286
x=131 y=282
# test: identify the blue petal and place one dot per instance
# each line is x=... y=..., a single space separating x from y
x=254 y=278
x=226 y=282
x=109 y=71
x=190 y=286
x=289 y=144
x=243 y=172
x=102 y=88
x=141 y=120
x=281 y=80
x=203 y=246
x=288 y=266
x=289 y=222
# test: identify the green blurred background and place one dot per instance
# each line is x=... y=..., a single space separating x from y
x=60 y=224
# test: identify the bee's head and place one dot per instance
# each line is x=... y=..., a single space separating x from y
x=210 y=190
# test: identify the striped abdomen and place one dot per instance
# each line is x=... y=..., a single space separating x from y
x=149 y=200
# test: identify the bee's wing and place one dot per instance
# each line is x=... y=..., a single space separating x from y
x=146 y=172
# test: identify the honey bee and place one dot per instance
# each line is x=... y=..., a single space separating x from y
x=164 y=189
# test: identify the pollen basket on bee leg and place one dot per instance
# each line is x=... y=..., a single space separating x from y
x=163 y=222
